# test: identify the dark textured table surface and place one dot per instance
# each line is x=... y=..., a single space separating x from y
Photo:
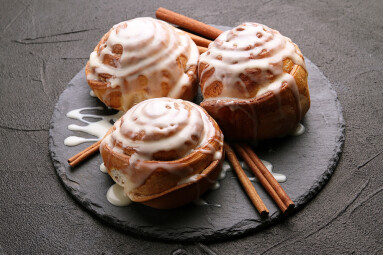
x=45 y=43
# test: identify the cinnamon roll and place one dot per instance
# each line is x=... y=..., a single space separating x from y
x=164 y=152
x=142 y=58
x=254 y=83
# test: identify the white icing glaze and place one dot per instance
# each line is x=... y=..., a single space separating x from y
x=97 y=128
x=115 y=196
x=298 y=130
x=225 y=168
x=188 y=179
x=103 y=168
x=215 y=186
x=160 y=117
x=161 y=125
x=202 y=202
x=217 y=155
x=91 y=93
x=152 y=59
x=279 y=177
x=75 y=140
x=251 y=49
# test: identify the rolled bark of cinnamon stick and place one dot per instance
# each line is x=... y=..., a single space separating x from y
x=201 y=49
x=246 y=183
x=188 y=23
x=83 y=155
x=200 y=41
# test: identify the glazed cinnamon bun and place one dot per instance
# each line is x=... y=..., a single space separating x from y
x=142 y=58
x=164 y=152
x=254 y=83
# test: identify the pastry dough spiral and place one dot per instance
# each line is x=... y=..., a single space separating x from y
x=254 y=82
x=161 y=145
x=142 y=58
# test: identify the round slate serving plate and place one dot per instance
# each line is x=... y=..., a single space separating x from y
x=307 y=160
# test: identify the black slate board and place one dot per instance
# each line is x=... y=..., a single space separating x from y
x=307 y=160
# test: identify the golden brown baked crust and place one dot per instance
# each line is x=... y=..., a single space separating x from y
x=184 y=193
x=166 y=177
x=124 y=70
x=248 y=109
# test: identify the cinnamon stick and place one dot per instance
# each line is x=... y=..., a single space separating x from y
x=82 y=155
x=201 y=49
x=246 y=183
x=188 y=23
x=269 y=183
x=200 y=41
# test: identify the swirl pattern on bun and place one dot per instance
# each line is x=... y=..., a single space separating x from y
x=162 y=148
x=142 y=58
x=254 y=83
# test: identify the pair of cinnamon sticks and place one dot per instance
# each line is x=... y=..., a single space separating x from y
x=82 y=155
x=267 y=180
x=255 y=164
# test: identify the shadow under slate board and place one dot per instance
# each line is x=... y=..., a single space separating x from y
x=307 y=160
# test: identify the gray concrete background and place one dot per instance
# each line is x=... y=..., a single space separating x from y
x=43 y=44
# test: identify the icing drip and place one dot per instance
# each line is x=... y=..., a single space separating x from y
x=216 y=186
x=103 y=168
x=225 y=168
x=144 y=57
x=115 y=196
x=202 y=202
x=189 y=179
x=299 y=130
x=97 y=128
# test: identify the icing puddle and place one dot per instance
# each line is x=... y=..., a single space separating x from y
x=115 y=196
x=97 y=128
x=103 y=123
x=279 y=177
